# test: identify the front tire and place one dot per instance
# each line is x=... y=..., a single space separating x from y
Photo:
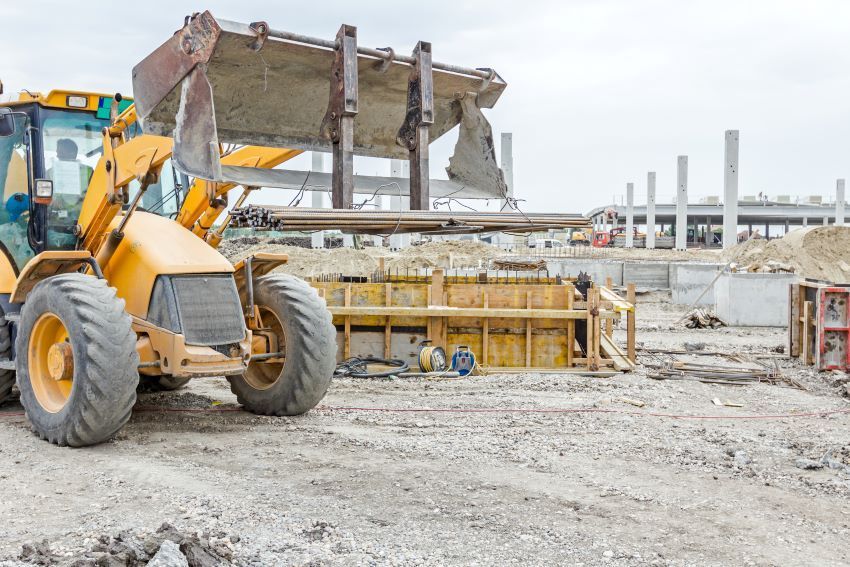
x=299 y=317
x=76 y=360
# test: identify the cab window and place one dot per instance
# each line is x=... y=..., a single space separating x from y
x=14 y=209
x=73 y=144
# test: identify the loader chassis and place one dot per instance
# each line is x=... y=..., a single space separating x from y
x=71 y=304
x=109 y=269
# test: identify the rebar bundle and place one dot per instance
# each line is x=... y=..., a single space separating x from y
x=389 y=222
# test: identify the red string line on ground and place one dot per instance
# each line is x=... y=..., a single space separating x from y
x=823 y=413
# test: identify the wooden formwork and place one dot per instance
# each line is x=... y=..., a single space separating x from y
x=510 y=324
x=819 y=326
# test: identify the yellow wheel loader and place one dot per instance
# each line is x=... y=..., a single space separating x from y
x=109 y=270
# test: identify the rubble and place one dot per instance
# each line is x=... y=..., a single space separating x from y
x=166 y=547
x=703 y=319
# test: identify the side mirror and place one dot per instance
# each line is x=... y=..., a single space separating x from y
x=7 y=123
x=43 y=191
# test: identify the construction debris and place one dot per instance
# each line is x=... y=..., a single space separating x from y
x=756 y=371
x=818 y=326
x=703 y=319
x=514 y=265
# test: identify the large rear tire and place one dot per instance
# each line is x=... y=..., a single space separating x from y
x=299 y=317
x=7 y=377
x=76 y=360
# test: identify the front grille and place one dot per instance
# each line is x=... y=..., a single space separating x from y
x=209 y=309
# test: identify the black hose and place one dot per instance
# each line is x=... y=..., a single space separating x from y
x=358 y=367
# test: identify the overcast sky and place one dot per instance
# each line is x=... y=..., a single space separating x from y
x=599 y=92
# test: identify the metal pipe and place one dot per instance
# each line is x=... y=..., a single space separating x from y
x=268 y=355
x=484 y=74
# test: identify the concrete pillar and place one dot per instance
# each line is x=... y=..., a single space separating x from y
x=767 y=231
x=650 y=210
x=317 y=239
x=630 y=215
x=805 y=222
x=398 y=203
x=709 y=236
x=839 y=202
x=825 y=221
x=682 y=203
x=730 y=190
x=786 y=225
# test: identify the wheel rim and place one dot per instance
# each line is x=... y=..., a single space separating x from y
x=261 y=375
x=50 y=362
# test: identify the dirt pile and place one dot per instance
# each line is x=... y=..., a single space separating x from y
x=819 y=252
x=448 y=254
x=306 y=262
x=303 y=262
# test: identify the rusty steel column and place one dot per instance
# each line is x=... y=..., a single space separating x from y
x=338 y=124
x=414 y=134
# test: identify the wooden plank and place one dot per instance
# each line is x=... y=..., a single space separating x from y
x=528 y=323
x=388 y=328
x=437 y=292
x=577 y=371
x=438 y=312
x=485 y=331
x=571 y=324
x=610 y=349
x=430 y=319
x=794 y=329
x=807 y=330
x=630 y=324
x=444 y=340
x=594 y=329
x=346 y=349
x=609 y=324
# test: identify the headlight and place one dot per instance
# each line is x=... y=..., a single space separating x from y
x=43 y=191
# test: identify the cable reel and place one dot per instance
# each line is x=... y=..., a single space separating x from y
x=432 y=358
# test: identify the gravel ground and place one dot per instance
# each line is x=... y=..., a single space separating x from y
x=611 y=486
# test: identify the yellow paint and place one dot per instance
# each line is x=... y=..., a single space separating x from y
x=155 y=245
x=44 y=265
x=132 y=159
x=59 y=99
x=8 y=279
x=16 y=176
x=201 y=193
x=52 y=393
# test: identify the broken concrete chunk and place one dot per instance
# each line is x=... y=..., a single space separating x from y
x=169 y=555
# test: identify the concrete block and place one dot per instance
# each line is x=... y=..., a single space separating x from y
x=647 y=275
x=598 y=270
x=753 y=300
x=687 y=282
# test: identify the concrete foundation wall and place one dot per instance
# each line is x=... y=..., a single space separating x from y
x=687 y=281
x=753 y=300
x=647 y=275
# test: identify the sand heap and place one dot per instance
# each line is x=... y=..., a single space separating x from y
x=446 y=254
x=819 y=252
x=304 y=262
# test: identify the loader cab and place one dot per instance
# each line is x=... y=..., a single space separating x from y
x=58 y=137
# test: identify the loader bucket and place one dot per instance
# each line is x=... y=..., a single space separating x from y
x=217 y=82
